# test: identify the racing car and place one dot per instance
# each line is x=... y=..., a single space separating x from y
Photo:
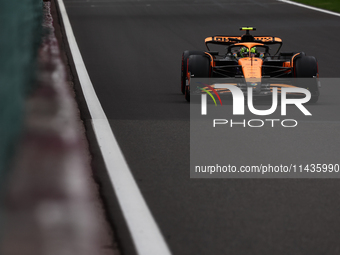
x=248 y=59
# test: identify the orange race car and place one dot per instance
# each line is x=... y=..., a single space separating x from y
x=248 y=61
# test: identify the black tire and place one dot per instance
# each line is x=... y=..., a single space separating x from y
x=185 y=56
x=307 y=67
x=199 y=67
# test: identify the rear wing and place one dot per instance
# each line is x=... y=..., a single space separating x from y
x=229 y=40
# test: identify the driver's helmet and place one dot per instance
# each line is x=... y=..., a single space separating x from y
x=253 y=52
x=244 y=52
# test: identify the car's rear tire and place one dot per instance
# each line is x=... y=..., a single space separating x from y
x=185 y=56
x=199 y=67
x=307 y=67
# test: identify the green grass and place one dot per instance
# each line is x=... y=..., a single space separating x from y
x=332 y=5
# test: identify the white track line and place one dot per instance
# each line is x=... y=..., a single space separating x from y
x=310 y=7
x=145 y=233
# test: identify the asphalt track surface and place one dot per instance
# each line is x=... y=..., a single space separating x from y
x=132 y=50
